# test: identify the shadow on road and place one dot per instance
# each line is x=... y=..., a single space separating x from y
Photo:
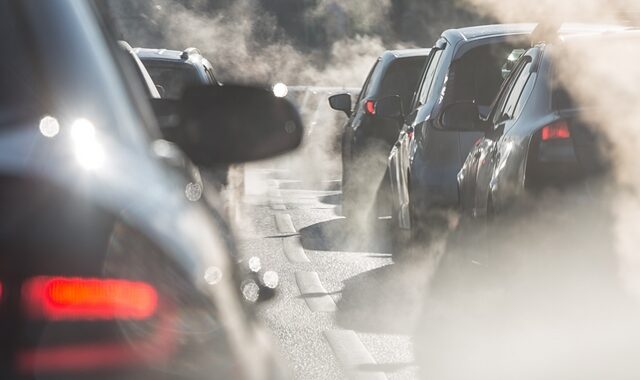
x=340 y=235
x=334 y=199
x=384 y=300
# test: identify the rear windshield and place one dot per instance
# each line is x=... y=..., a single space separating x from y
x=173 y=77
x=477 y=76
x=402 y=78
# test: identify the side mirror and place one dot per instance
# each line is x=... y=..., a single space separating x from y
x=341 y=102
x=462 y=117
x=390 y=107
x=229 y=124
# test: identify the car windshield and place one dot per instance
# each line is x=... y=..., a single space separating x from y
x=172 y=77
x=402 y=78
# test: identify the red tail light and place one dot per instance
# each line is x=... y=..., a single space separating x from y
x=57 y=298
x=556 y=131
x=370 y=107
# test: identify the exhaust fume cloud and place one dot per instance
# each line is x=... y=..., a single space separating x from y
x=551 y=290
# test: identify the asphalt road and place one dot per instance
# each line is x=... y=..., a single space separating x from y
x=343 y=310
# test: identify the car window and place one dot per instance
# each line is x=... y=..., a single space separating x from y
x=477 y=75
x=367 y=83
x=401 y=78
x=524 y=95
x=427 y=81
x=173 y=77
x=500 y=103
x=517 y=90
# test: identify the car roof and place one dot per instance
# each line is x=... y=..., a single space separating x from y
x=496 y=30
x=407 y=53
x=190 y=55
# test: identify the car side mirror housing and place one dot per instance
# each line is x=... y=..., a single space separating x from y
x=390 y=107
x=462 y=117
x=229 y=124
x=341 y=102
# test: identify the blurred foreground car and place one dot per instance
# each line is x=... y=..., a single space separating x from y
x=367 y=138
x=112 y=268
x=536 y=137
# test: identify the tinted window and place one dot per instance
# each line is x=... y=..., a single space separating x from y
x=427 y=81
x=173 y=77
x=402 y=79
x=477 y=75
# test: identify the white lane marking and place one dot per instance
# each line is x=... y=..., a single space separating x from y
x=315 y=295
x=284 y=224
x=293 y=250
x=351 y=355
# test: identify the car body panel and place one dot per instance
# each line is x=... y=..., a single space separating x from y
x=367 y=139
x=430 y=158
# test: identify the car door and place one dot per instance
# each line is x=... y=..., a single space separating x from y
x=496 y=145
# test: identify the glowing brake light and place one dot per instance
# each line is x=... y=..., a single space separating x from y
x=67 y=298
x=370 y=107
x=556 y=131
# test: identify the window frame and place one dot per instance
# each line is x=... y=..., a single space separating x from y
x=508 y=87
x=422 y=95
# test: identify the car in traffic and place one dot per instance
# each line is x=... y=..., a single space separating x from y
x=114 y=265
x=368 y=138
x=174 y=70
x=466 y=64
x=537 y=137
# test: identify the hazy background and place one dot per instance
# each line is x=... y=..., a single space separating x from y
x=308 y=42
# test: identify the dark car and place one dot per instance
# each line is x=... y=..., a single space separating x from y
x=536 y=136
x=466 y=64
x=367 y=138
x=172 y=71
x=112 y=265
